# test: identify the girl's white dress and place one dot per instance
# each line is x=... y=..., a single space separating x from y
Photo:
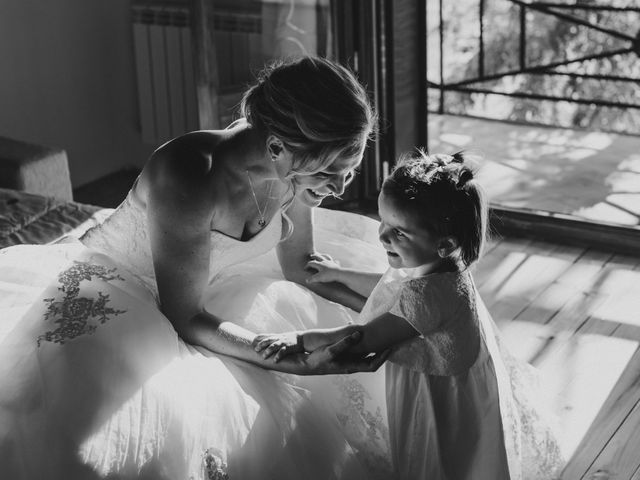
x=95 y=383
x=460 y=407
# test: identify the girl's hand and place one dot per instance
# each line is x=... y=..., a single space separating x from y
x=337 y=359
x=280 y=344
x=325 y=268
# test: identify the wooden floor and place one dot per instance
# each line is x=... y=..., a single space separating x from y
x=591 y=175
x=574 y=313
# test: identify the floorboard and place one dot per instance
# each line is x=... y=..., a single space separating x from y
x=616 y=409
x=620 y=458
x=573 y=313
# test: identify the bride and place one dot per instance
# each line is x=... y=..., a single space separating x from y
x=109 y=362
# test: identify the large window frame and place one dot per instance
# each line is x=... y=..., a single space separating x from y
x=384 y=42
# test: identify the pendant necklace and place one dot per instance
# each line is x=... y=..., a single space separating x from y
x=261 y=211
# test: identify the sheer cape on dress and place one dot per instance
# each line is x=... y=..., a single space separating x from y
x=95 y=383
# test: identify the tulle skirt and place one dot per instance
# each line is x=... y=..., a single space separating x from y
x=95 y=383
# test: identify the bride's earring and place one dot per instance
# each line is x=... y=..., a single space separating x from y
x=274 y=151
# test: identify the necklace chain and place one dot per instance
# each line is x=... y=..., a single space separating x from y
x=261 y=211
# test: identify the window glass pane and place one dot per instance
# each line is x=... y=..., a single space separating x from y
x=248 y=34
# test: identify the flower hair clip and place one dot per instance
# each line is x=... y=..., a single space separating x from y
x=442 y=160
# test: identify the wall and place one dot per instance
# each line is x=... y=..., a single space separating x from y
x=67 y=79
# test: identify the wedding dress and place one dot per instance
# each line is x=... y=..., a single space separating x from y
x=95 y=383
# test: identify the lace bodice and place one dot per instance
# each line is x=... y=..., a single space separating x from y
x=441 y=307
x=124 y=237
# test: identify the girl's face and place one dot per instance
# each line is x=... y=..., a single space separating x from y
x=312 y=189
x=408 y=244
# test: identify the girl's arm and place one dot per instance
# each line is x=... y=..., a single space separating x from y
x=283 y=344
x=382 y=333
x=295 y=252
x=230 y=339
x=378 y=336
x=326 y=270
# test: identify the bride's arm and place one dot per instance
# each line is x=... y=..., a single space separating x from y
x=235 y=341
x=180 y=206
x=295 y=252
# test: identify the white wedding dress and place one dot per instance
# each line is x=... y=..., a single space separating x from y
x=95 y=383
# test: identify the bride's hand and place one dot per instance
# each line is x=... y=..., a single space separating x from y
x=280 y=344
x=335 y=358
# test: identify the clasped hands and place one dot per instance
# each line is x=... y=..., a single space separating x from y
x=323 y=352
x=279 y=345
x=333 y=358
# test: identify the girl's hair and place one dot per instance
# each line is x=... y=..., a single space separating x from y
x=315 y=107
x=442 y=191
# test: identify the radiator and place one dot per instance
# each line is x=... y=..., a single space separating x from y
x=164 y=72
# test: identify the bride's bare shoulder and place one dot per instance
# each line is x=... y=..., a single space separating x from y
x=183 y=164
x=187 y=156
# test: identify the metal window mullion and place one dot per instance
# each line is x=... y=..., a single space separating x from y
x=536 y=96
x=576 y=20
x=423 y=91
x=523 y=37
x=536 y=69
x=481 y=39
x=604 y=8
x=441 y=59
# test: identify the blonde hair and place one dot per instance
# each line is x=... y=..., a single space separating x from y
x=316 y=107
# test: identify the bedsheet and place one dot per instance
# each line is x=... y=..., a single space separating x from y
x=33 y=219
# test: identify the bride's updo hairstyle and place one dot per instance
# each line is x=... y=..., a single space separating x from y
x=315 y=107
x=443 y=195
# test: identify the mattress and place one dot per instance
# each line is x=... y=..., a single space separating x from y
x=33 y=219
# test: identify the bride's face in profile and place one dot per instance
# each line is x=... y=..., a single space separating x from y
x=311 y=189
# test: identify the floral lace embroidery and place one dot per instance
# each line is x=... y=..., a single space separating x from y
x=541 y=456
x=354 y=396
x=214 y=467
x=73 y=312
x=374 y=448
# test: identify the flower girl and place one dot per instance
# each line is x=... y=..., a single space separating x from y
x=454 y=403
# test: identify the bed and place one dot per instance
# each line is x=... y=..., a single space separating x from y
x=26 y=218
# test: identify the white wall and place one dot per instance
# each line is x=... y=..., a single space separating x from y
x=67 y=79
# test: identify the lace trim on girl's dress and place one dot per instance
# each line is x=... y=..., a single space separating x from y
x=214 y=467
x=73 y=312
x=352 y=410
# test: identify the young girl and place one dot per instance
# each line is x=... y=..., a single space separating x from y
x=453 y=412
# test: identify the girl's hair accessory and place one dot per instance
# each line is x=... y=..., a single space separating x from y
x=440 y=189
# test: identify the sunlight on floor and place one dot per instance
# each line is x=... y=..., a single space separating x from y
x=592 y=175
x=577 y=372
x=591 y=367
